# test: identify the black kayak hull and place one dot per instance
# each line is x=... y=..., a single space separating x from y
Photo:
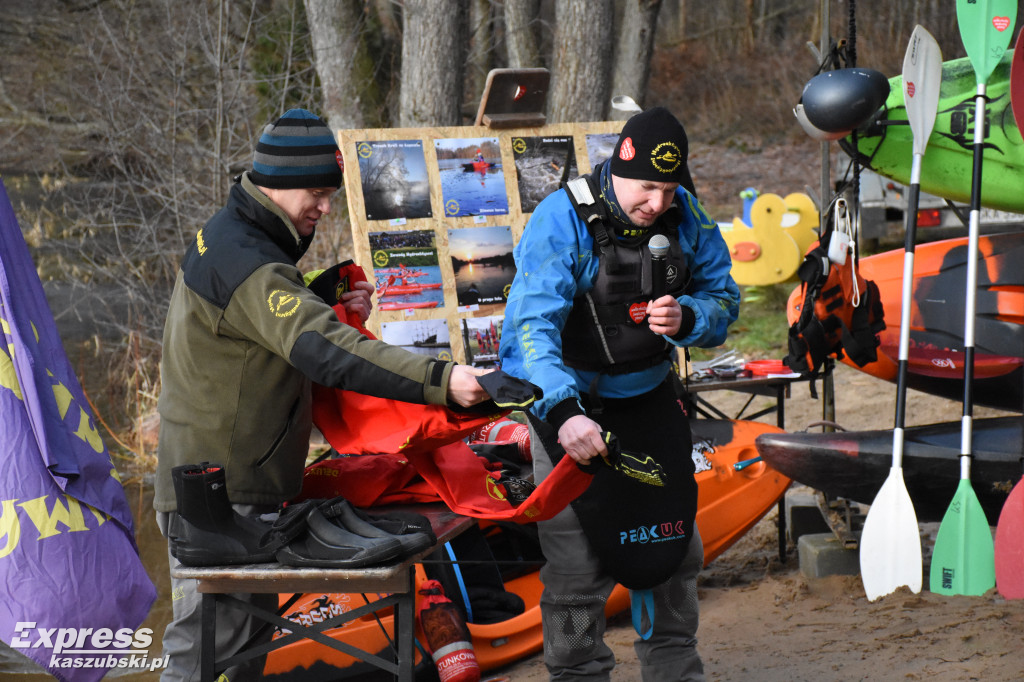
x=854 y=465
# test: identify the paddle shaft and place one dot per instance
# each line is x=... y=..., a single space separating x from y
x=890 y=553
x=963 y=556
x=922 y=79
x=907 y=301
x=971 y=288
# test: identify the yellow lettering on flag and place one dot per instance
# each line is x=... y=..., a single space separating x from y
x=62 y=395
x=10 y=527
x=8 y=376
x=87 y=431
x=46 y=521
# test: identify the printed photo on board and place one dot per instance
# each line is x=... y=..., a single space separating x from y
x=600 y=147
x=542 y=165
x=472 y=180
x=483 y=264
x=425 y=337
x=394 y=179
x=481 y=337
x=406 y=270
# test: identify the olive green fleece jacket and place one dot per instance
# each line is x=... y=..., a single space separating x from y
x=243 y=340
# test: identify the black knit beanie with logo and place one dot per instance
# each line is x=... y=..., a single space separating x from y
x=653 y=146
x=297 y=151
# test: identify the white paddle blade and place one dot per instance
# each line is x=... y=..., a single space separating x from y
x=890 y=543
x=922 y=80
x=625 y=103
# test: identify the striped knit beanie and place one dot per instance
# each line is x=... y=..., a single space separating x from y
x=297 y=151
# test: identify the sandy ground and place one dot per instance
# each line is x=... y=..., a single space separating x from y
x=762 y=620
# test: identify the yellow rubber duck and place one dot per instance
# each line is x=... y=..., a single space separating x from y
x=763 y=253
x=801 y=220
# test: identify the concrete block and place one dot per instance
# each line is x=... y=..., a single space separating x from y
x=822 y=555
x=803 y=516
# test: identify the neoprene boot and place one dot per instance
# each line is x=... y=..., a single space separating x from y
x=207 y=531
x=413 y=536
x=318 y=541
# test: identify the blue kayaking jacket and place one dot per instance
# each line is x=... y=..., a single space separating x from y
x=556 y=261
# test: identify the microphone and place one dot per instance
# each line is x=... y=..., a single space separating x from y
x=658 y=247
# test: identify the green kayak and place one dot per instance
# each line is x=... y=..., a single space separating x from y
x=885 y=144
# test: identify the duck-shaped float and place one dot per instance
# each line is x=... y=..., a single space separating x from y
x=769 y=250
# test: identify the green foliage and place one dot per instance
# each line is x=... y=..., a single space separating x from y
x=760 y=332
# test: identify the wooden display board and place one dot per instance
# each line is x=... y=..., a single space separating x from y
x=435 y=228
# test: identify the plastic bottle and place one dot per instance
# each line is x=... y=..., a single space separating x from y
x=505 y=430
x=447 y=635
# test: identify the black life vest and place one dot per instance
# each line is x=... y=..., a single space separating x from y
x=607 y=330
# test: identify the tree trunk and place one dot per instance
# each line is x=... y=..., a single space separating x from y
x=433 y=47
x=581 y=64
x=346 y=69
x=480 y=56
x=634 y=47
x=520 y=35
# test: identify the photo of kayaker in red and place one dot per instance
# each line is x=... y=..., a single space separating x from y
x=472 y=179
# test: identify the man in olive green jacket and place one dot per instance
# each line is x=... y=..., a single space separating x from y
x=243 y=341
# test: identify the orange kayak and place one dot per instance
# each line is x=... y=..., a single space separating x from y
x=730 y=502
x=414 y=304
x=936 y=355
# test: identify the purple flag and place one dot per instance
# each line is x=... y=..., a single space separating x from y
x=74 y=588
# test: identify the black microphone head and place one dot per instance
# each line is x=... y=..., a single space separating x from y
x=658 y=246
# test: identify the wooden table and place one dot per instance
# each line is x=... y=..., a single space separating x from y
x=217 y=583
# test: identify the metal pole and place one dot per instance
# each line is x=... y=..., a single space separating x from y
x=828 y=400
x=826 y=182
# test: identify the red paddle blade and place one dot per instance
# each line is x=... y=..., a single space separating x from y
x=1010 y=545
x=1017 y=82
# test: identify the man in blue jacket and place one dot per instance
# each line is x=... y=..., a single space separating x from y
x=594 y=318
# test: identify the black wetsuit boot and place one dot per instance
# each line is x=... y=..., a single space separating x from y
x=207 y=531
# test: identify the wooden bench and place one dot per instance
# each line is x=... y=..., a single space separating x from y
x=217 y=583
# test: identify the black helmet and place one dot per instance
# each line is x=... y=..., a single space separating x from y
x=842 y=100
x=816 y=133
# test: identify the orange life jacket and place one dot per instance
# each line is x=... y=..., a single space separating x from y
x=840 y=312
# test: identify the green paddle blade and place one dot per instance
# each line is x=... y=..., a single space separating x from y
x=922 y=80
x=1010 y=545
x=963 y=561
x=986 y=27
x=890 y=542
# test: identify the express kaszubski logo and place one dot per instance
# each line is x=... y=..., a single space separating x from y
x=90 y=647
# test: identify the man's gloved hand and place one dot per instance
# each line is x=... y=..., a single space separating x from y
x=637 y=466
